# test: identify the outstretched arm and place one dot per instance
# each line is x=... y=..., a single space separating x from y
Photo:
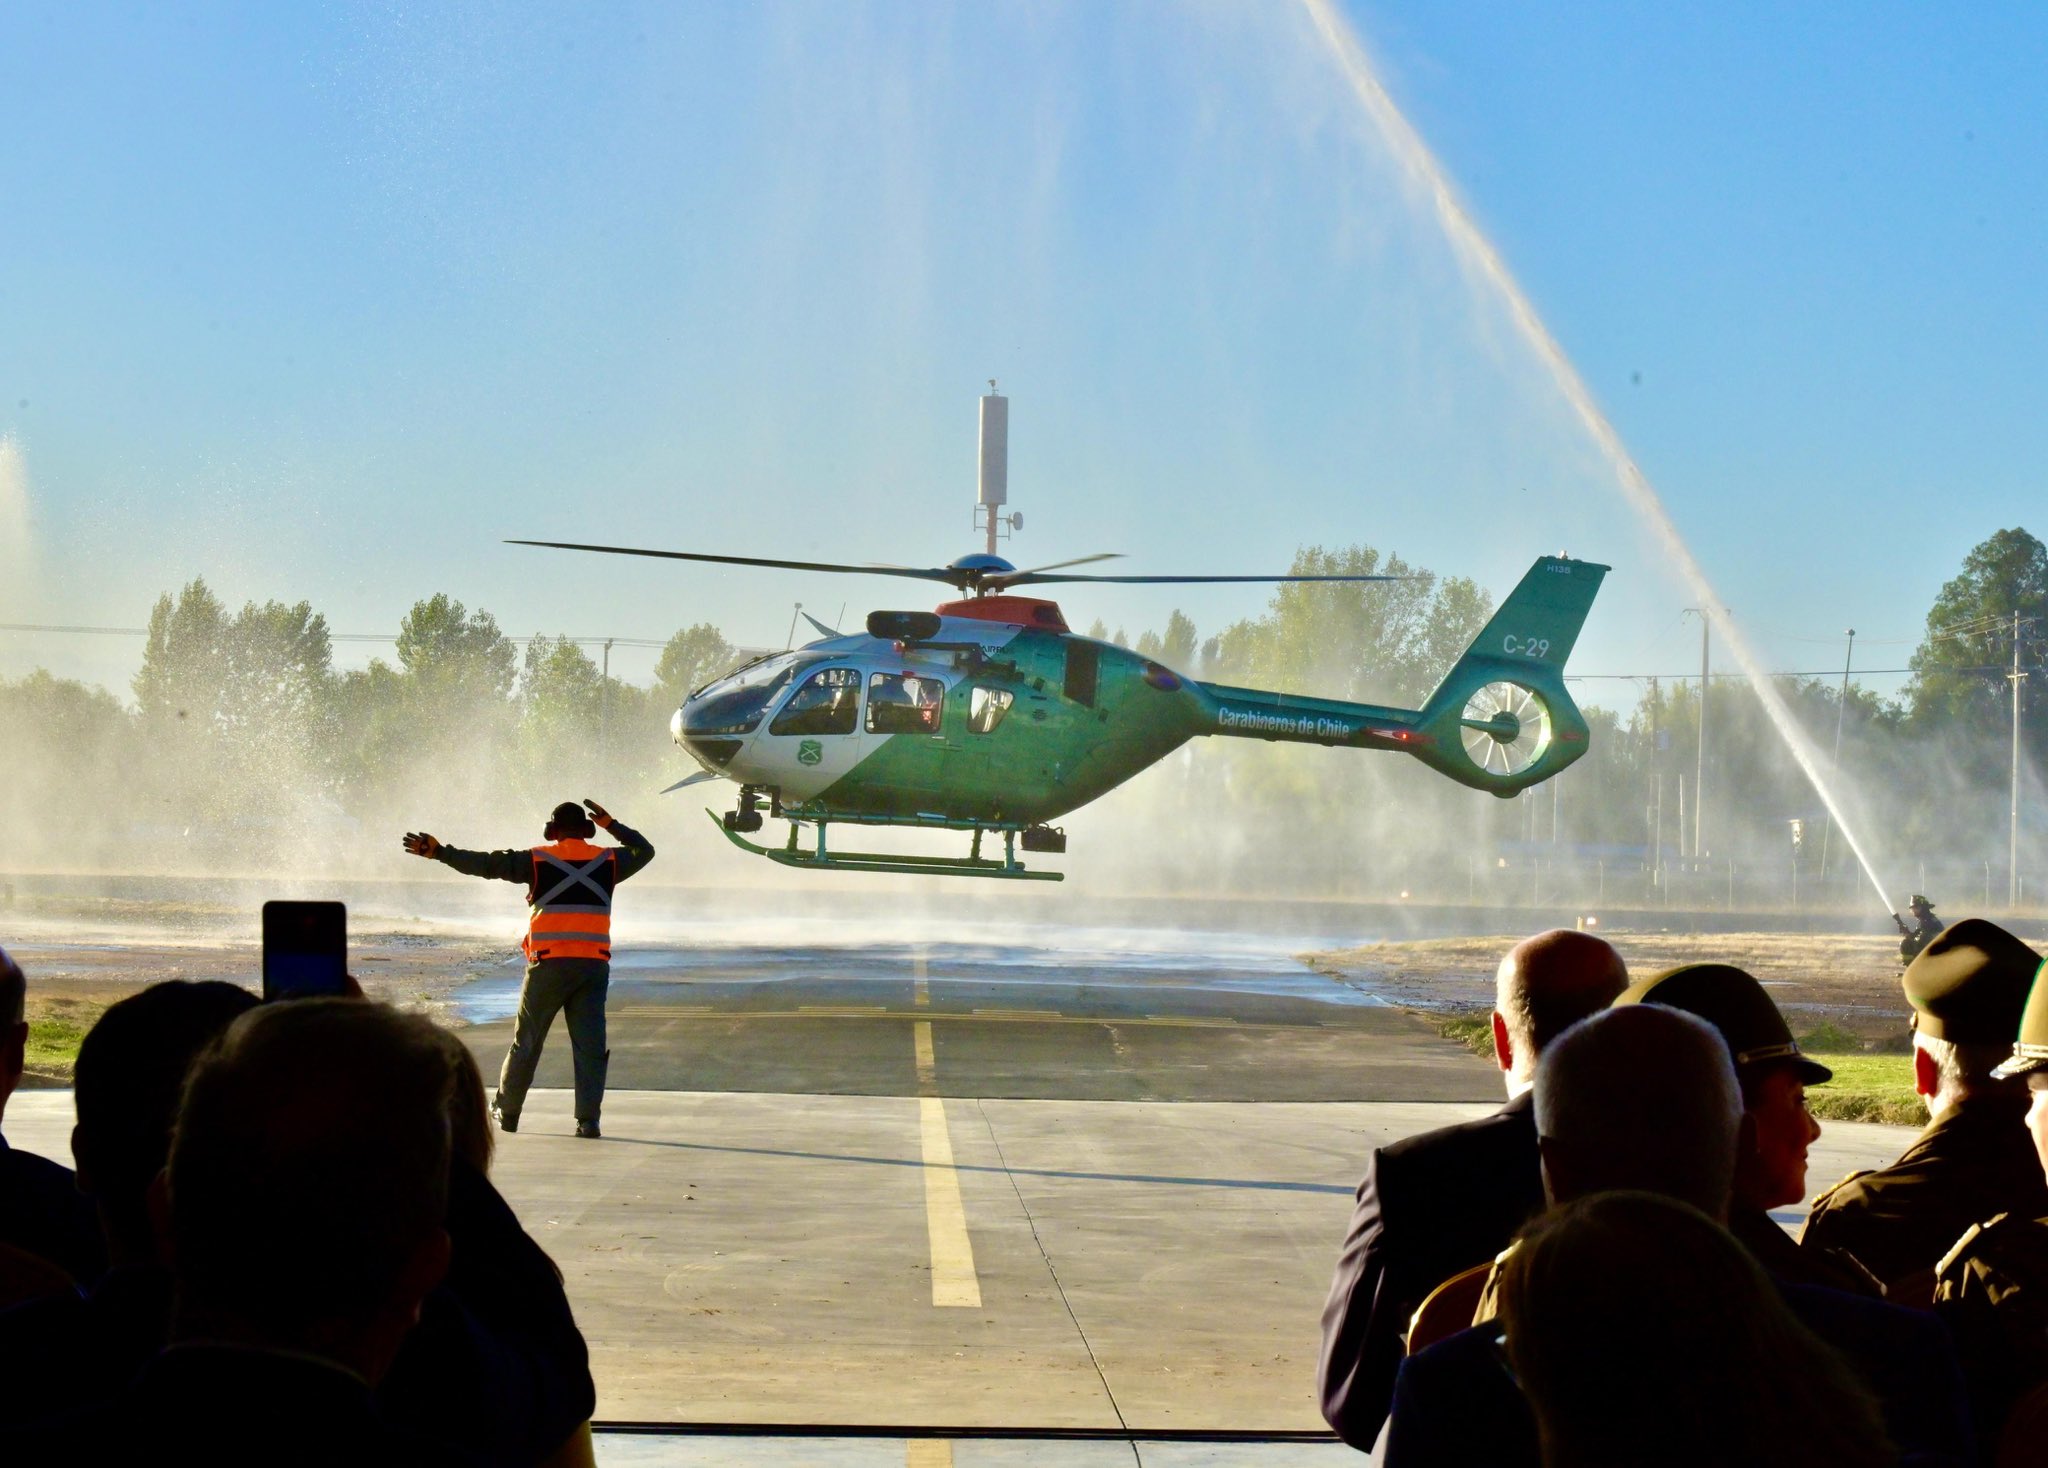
x=504 y=866
x=635 y=851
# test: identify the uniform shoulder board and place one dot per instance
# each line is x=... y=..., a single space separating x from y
x=1823 y=1199
x=1966 y=1245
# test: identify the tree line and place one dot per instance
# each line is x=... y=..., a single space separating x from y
x=241 y=727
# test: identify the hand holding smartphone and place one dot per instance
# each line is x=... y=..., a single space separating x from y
x=305 y=950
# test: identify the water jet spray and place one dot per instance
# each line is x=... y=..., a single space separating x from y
x=1478 y=254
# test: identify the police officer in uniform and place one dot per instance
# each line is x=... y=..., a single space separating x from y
x=1770 y=1169
x=1992 y=1287
x=1926 y=926
x=568 y=945
x=1967 y=989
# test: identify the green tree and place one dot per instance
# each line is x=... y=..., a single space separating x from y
x=689 y=660
x=1177 y=647
x=183 y=657
x=456 y=659
x=1960 y=669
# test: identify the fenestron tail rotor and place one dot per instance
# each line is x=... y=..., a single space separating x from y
x=1506 y=728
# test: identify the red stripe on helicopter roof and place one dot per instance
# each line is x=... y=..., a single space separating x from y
x=1017 y=611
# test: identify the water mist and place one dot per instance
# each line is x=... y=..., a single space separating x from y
x=1477 y=253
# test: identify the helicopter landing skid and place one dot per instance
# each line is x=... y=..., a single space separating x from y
x=819 y=860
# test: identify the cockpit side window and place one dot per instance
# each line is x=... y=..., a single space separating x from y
x=903 y=703
x=829 y=703
x=986 y=707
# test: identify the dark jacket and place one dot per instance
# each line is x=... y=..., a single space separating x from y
x=43 y=1213
x=1428 y=1207
x=1978 y=1161
x=1455 y=1403
x=496 y=1363
x=1785 y=1259
x=635 y=851
x=230 y=1407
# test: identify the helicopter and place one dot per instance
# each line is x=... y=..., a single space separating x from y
x=990 y=715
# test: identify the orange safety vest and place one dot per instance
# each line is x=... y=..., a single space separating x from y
x=571 y=901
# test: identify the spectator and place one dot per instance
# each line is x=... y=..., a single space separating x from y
x=1992 y=1287
x=1974 y=1160
x=41 y=1212
x=1644 y=1098
x=305 y=1198
x=64 y=1353
x=496 y=1364
x=1770 y=1170
x=1443 y=1201
x=1602 y=1306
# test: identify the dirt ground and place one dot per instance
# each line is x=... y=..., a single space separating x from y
x=1849 y=982
x=71 y=982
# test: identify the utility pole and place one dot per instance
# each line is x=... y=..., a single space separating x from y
x=1699 y=779
x=1657 y=777
x=1841 y=706
x=2018 y=678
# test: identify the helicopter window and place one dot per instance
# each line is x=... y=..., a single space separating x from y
x=986 y=707
x=828 y=704
x=902 y=703
x=735 y=705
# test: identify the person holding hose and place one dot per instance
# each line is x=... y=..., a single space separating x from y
x=569 y=884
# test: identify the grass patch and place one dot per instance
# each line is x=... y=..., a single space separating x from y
x=1472 y=1028
x=56 y=1028
x=1867 y=1087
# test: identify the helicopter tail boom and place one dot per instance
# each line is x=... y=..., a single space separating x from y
x=1500 y=721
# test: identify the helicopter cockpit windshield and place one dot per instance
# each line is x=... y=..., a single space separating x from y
x=734 y=704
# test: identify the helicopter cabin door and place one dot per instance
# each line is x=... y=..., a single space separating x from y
x=815 y=738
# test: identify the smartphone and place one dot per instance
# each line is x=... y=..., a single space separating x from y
x=305 y=949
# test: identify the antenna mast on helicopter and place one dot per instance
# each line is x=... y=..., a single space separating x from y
x=995 y=469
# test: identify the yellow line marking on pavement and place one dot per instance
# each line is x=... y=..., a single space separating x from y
x=841 y=1009
x=922 y=993
x=945 y=1215
x=928 y=1452
x=1018 y=1014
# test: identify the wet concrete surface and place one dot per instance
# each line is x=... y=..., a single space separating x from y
x=1255 y=1025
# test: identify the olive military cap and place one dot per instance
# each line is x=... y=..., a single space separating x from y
x=1734 y=1003
x=2030 y=1051
x=1969 y=985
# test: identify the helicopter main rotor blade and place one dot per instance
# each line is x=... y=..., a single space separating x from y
x=935 y=573
x=1059 y=565
x=1030 y=578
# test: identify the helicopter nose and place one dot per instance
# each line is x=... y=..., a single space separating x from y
x=675 y=727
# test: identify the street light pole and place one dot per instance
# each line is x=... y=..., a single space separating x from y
x=1699 y=778
x=1841 y=706
x=2018 y=677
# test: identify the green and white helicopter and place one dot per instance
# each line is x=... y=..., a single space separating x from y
x=989 y=715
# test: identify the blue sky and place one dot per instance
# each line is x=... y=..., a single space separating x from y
x=322 y=302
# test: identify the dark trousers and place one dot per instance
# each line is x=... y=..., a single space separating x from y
x=577 y=987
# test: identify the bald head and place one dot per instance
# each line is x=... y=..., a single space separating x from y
x=1643 y=1097
x=1545 y=985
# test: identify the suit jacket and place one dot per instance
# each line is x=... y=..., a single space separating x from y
x=1978 y=1161
x=1456 y=1402
x=1428 y=1206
